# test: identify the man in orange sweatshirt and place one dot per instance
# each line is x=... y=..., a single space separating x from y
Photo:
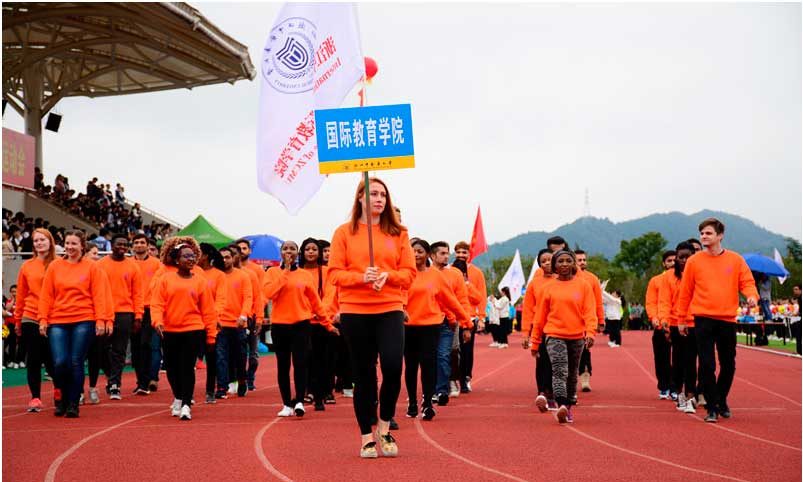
x=141 y=340
x=709 y=291
x=128 y=298
x=661 y=347
x=476 y=280
x=257 y=318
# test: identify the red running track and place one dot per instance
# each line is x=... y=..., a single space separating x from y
x=622 y=431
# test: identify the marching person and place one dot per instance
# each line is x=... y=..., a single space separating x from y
x=371 y=311
x=661 y=346
x=533 y=296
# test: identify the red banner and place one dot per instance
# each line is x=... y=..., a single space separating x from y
x=19 y=158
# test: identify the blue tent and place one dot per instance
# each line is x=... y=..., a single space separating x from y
x=762 y=264
x=265 y=249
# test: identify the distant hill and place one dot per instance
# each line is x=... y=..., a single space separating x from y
x=601 y=236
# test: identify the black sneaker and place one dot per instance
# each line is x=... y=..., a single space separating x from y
x=221 y=394
x=711 y=417
x=61 y=407
x=251 y=386
x=330 y=399
x=412 y=411
x=393 y=425
x=429 y=413
x=242 y=389
x=153 y=386
x=724 y=411
x=319 y=407
x=443 y=399
x=72 y=410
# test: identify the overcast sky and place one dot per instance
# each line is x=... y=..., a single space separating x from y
x=517 y=108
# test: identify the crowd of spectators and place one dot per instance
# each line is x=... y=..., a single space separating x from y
x=99 y=205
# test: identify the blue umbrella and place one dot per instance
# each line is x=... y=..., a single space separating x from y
x=762 y=264
x=265 y=249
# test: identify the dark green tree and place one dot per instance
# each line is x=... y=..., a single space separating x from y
x=640 y=254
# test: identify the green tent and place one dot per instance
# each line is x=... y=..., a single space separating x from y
x=205 y=232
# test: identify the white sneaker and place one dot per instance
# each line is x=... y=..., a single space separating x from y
x=22 y=364
x=689 y=407
x=681 y=406
x=454 y=389
x=285 y=412
x=233 y=388
x=299 y=409
x=610 y=344
x=186 y=414
x=493 y=344
x=348 y=392
x=615 y=345
x=502 y=346
x=175 y=408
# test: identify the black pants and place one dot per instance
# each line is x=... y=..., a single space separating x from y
x=722 y=334
x=116 y=346
x=342 y=365
x=367 y=336
x=14 y=347
x=543 y=371
x=181 y=351
x=585 y=361
x=795 y=329
x=38 y=354
x=252 y=345
x=321 y=368
x=684 y=361
x=503 y=329
x=614 y=331
x=420 y=349
x=97 y=359
x=467 y=356
x=210 y=354
x=661 y=352
x=291 y=344
x=141 y=350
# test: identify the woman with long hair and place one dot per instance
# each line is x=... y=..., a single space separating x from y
x=502 y=306
x=71 y=311
x=427 y=299
x=96 y=358
x=295 y=301
x=566 y=321
x=321 y=367
x=211 y=263
x=29 y=286
x=183 y=314
x=371 y=306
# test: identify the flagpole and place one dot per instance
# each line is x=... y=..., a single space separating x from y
x=365 y=189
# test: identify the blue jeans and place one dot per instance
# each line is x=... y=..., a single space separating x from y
x=230 y=342
x=156 y=357
x=765 y=309
x=69 y=344
x=444 y=360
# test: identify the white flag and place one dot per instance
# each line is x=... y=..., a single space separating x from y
x=311 y=60
x=514 y=279
x=532 y=272
x=779 y=260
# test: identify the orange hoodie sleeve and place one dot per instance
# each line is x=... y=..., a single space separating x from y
x=209 y=313
x=596 y=290
x=747 y=284
x=528 y=307
x=317 y=306
x=138 y=292
x=158 y=302
x=483 y=290
x=405 y=274
x=248 y=296
x=101 y=296
x=338 y=271
x=541 y=311
x=46 y=296
x=108 y=301
x=22 y=294
x=449 y=302
x=275 y=280
x=589 y=312
x=666 y=297
x=474 y=296
x=651 y=299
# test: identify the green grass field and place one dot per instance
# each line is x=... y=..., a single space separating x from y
x=774 y=344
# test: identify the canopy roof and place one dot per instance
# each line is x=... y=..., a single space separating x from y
x=205 y=232
x=102 y=49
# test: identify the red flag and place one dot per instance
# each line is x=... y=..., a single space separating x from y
x=478 y=243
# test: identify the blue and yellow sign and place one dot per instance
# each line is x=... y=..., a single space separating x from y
x=356 y=139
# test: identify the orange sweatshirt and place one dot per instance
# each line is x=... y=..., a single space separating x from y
x=163 y=268
x=126 y=282
x=216 y=282
x=455 y=280
x=147 y=267
x=667 y=299
x=348 y=261
x=184 y=304
x=566 y=311
x=108 y=301
x=593 y=281
x=651 y=298
x=72 y=292
x=294 y=295
x=477 y=280
x=239 y=298
x=711 y=285
x=428 y=297
x=29 y=285
x=325 y=289
x=257 y=301
x=532 y=297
